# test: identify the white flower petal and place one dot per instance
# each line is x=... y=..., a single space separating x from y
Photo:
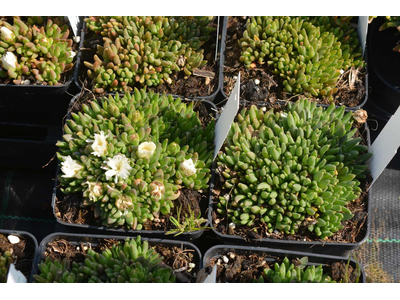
x=9 y=61
x=146 y=149
x=70 y=167
x=99 y=144
x=117 y=166
x=187 y=167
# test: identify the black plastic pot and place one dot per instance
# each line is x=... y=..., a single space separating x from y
x=80 y=64
x=25 y=266
x=243 y=101
x=27 y=145
x=19 y=102
x=78 y=239
x=313 y=259
x=151 y=233
x=330 y=248
x=385 y=66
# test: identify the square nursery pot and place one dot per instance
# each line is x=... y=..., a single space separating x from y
x=27 y=244
x=87 y=41
x=317 y=246
x=246 y=101
x=274 y=255
x=385 y=65
x=93 y=240
x=187 y=236
x=26 y=102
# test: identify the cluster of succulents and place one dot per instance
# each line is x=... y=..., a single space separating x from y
x=296 y=168
x=131 y=262
x=309 y=54
x=390 y=23
x=145 y=51
x=287 y=272
x=5 y=261
x=30 y=53
x=130 y=155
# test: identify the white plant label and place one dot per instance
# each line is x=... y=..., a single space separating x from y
x=362 y=30
x=385 y=146
x=228 y=115
x=212 y=278
x=74 y=22
x=15 y=276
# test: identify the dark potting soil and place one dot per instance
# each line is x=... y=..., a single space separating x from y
x=201 y=85
x=69 y=209
x=22 y=253
x=65 y=77
x=351 y=85
x=244 y=268
x=353 y=230
x=177 y=258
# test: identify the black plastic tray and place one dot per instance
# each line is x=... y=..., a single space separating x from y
x=243 y=101
x=30 y=241
x=152 y=233
x=329 y=248
x=211 y=97
x=94 y=239
x=313 y=259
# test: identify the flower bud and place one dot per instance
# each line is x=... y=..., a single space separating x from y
x=146 y=149
x=9 y=61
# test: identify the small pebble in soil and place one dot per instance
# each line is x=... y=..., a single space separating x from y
x=341 y=71
x=225 y=259
x=234 y=77
x=217 y=221
x=25 y=82
x=13 y=239
x=77 y=248
x=256 y=81
x=77 y=39
x=231 y=255
x=232 y=225
x=85 y=248
x=191 y=266
x=219 y=262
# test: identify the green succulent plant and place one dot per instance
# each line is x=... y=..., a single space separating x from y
x=390 y=23
x=133 y=261
x=31 y=52
x=307 y=53
x=287 y=272
x=130 y=155
x=145 y=50
x=5 y=261
x=290 y=169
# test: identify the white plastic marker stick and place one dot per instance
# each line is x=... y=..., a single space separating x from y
x=15 y=276
x=362 y=31
x=385 y=146
x=74 y=22
x=212 y=278
x=228 y=115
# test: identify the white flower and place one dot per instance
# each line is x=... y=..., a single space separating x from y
x=94 y=189
x=117 y=166
x=99 y=144
x=70 y=167
x=187 y=167
x=9 y=61
x=146 y=149
x=6 y=33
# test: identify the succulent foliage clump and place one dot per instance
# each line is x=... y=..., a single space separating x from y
x=130 y=155
x=146 y=50
x=132 y=262
x=30 y=52
x=296 y=168
x=392 y=22
x=5 y=261
x=308 y=53
x=287 y=272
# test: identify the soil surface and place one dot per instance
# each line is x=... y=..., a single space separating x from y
x=351 y=85
x=192 y=86
x=244 y=268
x=177 y=258
x=22 y=252
x=65 y=77
x=353 y=232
